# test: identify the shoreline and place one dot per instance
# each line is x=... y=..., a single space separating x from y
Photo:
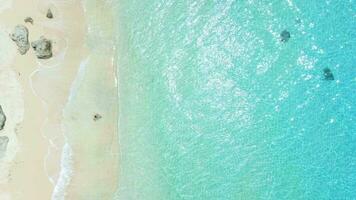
x=95 y=90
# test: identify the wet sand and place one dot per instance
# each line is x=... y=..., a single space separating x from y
x=94 y=92
x=54 y=93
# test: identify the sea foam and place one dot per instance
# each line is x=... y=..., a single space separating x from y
x=65 y=175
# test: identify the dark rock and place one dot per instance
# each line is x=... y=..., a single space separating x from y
x=97 y=117
x=2 y=119
x=49 y=14
x=43 y=48
x=20 y=37
x=285 y=36
x=328 y=75
x=28 y=20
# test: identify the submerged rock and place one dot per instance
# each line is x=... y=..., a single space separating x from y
x=285 y=36
x=49 y=14
x=2 y=119
x=298 y=21
x=20 y=37
x=28 y=20
x=4 y=140
x=328 y=75
x=43 y=48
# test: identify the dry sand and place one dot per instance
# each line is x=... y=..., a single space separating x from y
x=60 y=97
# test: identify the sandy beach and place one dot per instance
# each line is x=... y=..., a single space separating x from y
x=58 y=104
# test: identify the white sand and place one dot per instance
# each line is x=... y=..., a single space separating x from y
x=39 y=93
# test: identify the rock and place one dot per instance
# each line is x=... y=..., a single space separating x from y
x=285 y=36
x=97 y=117
x=43 y=48
x=4 y=140
x=328 y=75
x=2 y=119
x=49 y=14
x=20 y=37
x=28 y=20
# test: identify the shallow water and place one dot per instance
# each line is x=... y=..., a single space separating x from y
x=214 y=106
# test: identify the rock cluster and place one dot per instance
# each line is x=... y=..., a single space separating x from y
x=42 y=46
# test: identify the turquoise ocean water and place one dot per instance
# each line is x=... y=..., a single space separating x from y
x=213 y=106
